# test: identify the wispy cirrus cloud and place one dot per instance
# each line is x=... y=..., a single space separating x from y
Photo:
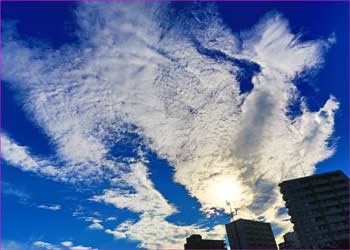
x=112 y=218
x=66 y=245
x=154 y=209
x=12 y=245
x=21 y=157
x=177 y=85
x=9 y=189
x=54 y=207
x=44 y=245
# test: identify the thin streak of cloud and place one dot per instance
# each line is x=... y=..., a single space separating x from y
x=50 y=207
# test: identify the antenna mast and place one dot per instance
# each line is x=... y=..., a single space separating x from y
x=233 y=214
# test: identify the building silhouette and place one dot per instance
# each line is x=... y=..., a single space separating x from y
x=249 y=234
x=195 y=241
x=291 y=241
x=319 y=209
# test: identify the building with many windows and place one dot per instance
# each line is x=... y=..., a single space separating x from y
x=319 y=209
x=250 y=234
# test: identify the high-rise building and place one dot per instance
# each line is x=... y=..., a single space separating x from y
x=195 y=241
x=319 y=209
x=249 y=234
x=291 y=241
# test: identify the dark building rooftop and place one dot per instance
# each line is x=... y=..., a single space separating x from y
x=291 y=241
x=195 y=241
x=250 y=234
x=315 y=176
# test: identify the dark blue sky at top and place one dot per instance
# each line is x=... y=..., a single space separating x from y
x=54 y=24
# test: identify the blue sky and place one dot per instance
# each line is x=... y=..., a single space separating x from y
x=129 y=125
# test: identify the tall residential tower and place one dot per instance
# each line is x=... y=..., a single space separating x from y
x=319 y=209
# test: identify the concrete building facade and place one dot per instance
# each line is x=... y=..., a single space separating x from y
x=319 y=209
x=249 y=234
x=195 y=241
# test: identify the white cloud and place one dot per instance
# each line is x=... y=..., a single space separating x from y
x=20 y=156
x=10 y=189
x=186 y=105
x=144 y=198
x=96 y=223
x=152 y=230
x=96 y=226
x=44 y=245
x=67 y=243
x=50 y=207
x=157 y=233
x=273 y=46
x=116 y=233
x=81 y=248
x=112 y=218
x=17 y=155
x=91 y=219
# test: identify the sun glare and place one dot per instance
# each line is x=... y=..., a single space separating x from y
x=229 y=190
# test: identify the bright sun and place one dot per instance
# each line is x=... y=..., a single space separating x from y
x=228 y=190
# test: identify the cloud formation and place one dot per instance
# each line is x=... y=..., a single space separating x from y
x=177 y=85
x=96 y=225
x=66 y=245
x=20 y=156
x=10 y=189
x=43 y=245
x=50 y=207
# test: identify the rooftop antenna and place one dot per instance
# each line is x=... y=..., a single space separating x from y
x=233 y=214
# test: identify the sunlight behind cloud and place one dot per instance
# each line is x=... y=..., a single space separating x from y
x=228 y=190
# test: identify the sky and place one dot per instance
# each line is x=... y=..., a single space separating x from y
x=129 y=125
